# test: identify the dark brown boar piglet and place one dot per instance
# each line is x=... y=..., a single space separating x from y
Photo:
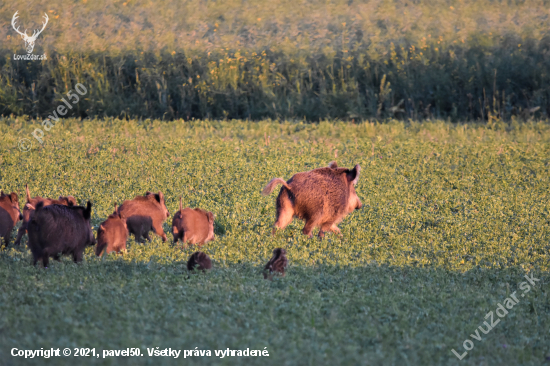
x=58 y=229
x=195 y=226
x=10 y=214
x=144 y=214
x=321 y=197
x=112 y=234
x=200 y=261
x=30 y=205
x=276 y=264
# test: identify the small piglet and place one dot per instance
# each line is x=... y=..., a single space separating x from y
x=28 y=209
x=195 y=226
x=112 y=234
x=9 y=215
x=59 y=229
x=200 y=261
x=144 y=214
x=277 y=264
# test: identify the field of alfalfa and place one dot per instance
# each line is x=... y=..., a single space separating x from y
x=454 y=216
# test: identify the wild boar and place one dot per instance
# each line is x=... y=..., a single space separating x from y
x=57 y=229
x=195 y=226
x=321 y=197
x=277 y=264
x=112 y=234
x=31 y=203
x=10 y=214
x=144 y=214
x=200 y=261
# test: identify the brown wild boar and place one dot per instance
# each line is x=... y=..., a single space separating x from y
x=58 y=229
x=112 y=234
x=144 y=214
x=321 y=197
x=195 y=226
x=200 y=261
x=10 y=214
x=31 y=203
x=276 y=264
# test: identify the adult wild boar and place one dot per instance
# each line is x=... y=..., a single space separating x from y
x=195 y=226
x=144 y=214
x=30 y=205
x=9 y=215
x=321 y=197
x=112 y=234
x=58 y=229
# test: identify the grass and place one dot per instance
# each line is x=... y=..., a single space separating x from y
x=350 y=60
x=453 y=218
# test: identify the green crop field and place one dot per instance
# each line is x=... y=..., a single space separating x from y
x=454 y=216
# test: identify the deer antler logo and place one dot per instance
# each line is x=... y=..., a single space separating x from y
x=29 y=41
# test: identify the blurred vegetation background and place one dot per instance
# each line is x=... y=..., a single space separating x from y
x=312 y=60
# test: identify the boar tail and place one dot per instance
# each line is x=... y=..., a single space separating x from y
x=181 y=206
x=274 y=183
x=28 y=193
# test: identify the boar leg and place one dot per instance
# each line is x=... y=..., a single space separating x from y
x=329 y=227
x=45 y=260
x=77 y=257
x=160 y=232
x=335 y=229
x=22 y=231
x=284 y=217
x=308 y=227
x=176 y=234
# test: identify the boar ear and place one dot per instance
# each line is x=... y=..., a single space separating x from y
x=88 y=211
x=161 y=196
x=71 y=200
x=1 y=193
x=332 y=165
x=39 y=205
x=353 y=175
x=210 y=216
x=13 y=197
